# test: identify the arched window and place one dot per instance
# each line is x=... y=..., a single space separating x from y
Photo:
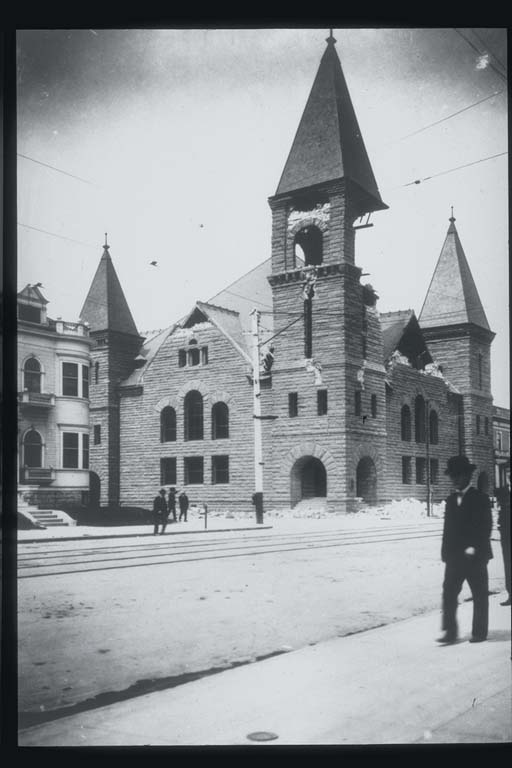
x=32 y=375
x=220 y=421
x=419 y=419
x=193 y=415
x=33 y=449
x=433 y=422
x=167 y=425
x=308 y=246
x=405 y=421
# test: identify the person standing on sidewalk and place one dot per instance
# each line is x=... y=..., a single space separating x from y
x=160 y=512
x=183 y=502
x=171 y=503
x=503 y=496
x=465 y=550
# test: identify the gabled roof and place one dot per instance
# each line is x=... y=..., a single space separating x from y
x=105 y=308
x=452 y=297
x=32 y=295
x=401 y=332
x=228 y=323
x=328 y=144
x=147 y=354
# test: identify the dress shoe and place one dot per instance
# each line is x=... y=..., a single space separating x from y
x=506 y=602
x=447 y=639
x=477 y=639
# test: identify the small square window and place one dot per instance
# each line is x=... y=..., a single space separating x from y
x=204 y=355
x=168 y=471
x=321 y=402
x=97 y=434
x=406 y=470
x=182 y=358
x=193 y=356
x=194 y=473
x=373 y=405
x=293 y=403
x=421 y=467
x=220 y=469
x=358 y=402
x=478 y=425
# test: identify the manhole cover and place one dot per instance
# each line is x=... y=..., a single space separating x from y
x=262 y=736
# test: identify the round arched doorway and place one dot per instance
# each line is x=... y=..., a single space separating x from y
x=366 y=480
x=308 y=479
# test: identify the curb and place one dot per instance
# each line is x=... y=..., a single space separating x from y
x=89 y=536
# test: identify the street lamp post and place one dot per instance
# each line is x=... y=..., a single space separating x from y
x=258 y=449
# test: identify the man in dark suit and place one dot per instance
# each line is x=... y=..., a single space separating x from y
x=503 y=496
x=160 y=512
x=465 y=550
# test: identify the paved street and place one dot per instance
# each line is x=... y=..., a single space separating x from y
x=136 y=614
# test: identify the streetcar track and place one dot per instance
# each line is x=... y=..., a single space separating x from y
x=221 y=556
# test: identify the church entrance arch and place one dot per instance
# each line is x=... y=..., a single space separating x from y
x=366 y=480
x=308 y=479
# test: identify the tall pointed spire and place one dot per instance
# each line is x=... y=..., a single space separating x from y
x=328 y=144
x=106 y=308
x=452 y=297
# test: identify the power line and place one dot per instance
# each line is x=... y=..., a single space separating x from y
x=59 y=170
x=53 y=234
x=267 y=341
x=473 y=46
x=451 y=170
x=489 y=50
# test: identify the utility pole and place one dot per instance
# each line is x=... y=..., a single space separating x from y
x=427 y=445
x=258 y=449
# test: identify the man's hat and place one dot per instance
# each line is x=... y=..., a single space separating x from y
x=162 y=490
x=459 y=465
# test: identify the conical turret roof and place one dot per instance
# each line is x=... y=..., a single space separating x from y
x=452 y=297
x=105 y=308
x=328 y=144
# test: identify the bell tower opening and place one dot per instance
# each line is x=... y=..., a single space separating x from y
x=308 y=246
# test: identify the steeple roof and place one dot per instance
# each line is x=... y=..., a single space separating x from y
x=328 y=144
x=105 y=308
x=452 y=297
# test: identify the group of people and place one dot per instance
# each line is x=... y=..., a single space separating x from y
x=163 y=507
x=466 y=548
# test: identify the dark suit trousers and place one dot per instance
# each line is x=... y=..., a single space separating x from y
x=505 y=548
x=457 y=571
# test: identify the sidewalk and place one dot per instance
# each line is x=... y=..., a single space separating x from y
x=391 y=685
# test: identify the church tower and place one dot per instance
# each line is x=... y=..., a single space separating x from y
x=328 y=375
x=455 y=327
x=116 y=343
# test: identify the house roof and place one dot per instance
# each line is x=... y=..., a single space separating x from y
x=105 y=308
x=452 y=297
x=401 y=332
x=328 y=144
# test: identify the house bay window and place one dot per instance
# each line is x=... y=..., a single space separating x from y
x=75 y=450
x=75 y=382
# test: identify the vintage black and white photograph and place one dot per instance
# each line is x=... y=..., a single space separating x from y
x=263 y=475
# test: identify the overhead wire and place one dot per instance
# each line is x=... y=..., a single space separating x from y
x=59 y=170
x=488 y=49
x=54 y=234
x=450 y=170
x=474 y=47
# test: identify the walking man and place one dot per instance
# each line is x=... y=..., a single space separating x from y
x=171 y=503
x=159 y=512
x=183 y=502
x=465 y=550
x=503 y=496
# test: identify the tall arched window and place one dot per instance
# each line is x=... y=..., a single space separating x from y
x=308 y=246
x=32 y=375
x=405 y=422
x=419 y=419
x=167 y=425
x=33 y=449
x=220 y=421
x=193 y=408
x=433 y=423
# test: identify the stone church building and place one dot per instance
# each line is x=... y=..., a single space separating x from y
x=346 y=404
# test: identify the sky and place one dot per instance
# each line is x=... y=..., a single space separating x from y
x=173 y=140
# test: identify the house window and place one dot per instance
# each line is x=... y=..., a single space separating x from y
x=405 y=422
x=167 y=425
x=85 y=451
x=220 y=469
x=478 y=425
x=70 y=450
x=374 y=405
x=85 y=381
x=97 y=434
x=220 y=421
x=70 y=379
x=31 y=314
x=321 y=402
x=358 y=402
x=433 y=428
x=33 y=449
x=193 y=466
x=204 y=355
x=193 y=356
x=406 y=470
x=182 y=358
x=486 y=426
x=193 y=415
x=32 y=375
x=168 y=471
x=419 y=419
x=434 y=470
x=293 y=404
x=421 y=467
